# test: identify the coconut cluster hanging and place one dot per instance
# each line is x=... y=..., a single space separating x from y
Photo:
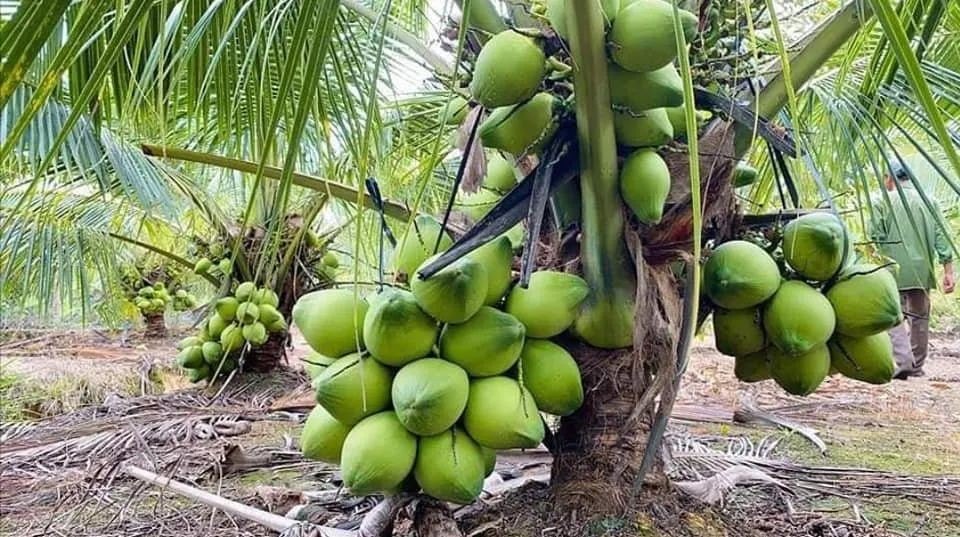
x=417 y=387
x=526 y=93
x=820 y=314
x=244 y=320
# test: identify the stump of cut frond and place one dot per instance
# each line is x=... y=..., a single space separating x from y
x=154 y=325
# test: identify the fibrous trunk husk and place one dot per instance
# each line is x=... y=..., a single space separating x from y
x=601 y=446
x=154 y=325
x=431 y=518
x=268 y=356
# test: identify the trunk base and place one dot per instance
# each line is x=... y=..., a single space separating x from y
x=154 y=326
x=269 y=356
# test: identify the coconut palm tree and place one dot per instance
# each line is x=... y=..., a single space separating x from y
x=301 y=99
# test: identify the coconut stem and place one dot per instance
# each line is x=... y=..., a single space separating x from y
x=606 y=319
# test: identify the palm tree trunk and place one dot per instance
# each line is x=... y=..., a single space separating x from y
x=154 y=325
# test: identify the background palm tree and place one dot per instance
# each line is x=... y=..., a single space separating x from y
x=311 y=87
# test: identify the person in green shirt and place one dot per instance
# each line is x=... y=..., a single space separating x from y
x=914 y=249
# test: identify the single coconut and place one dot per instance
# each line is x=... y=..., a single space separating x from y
x=354 y=387
x=331 y=320
x=549 y=304
x=740 y=275
x=255 y=333
x=212 y=352
x=450 y=466
x=752 y=367
x=248 y=313
x=429 y=395
x=191 y=357
x=245 y=291
x=798 y=318
x=523 y=128
x=552 y=376
x=508 y=70
x=418 y=243
x=815 y=245
x=453 y=294
x=738 y=332
x=488 y=344
x=501 y=174
x=868 y=359
x=642 y=38
x=644 y=185
x=395 y=329
x=660 y=88
x=497 y=259
x=865 y=300
x=322 y=437
x=649 y=128
x=227 y=308
x=231 y=339
x=377 y=455
x=215 y=325
x=501 y=414
x=800 y=374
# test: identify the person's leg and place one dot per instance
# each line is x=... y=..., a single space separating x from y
x=919 y=308
x=900 y=336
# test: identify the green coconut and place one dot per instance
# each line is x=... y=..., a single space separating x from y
x=315 y=363
x=269 y=314
x=453 y=294
x=266 y=297
x=478 y=204
x=418 y=243
x=549 y=305
x=227 y=308
x=815 y=245
x=202 y=266
x=353 y=388
x=752 y=367
x=661 y=88
x=744 y=175
x=395 y=329
x=329 y=259
x=522 y=128
x=248 y=313
x=800 y=374
x=198 y=373
x=497 y=259
x=488 y=344
x=377 y=455
x=225 y=266
x=331 y=320
x=255 y=333
x=649 y=128
x=322 y=437
x=212 y=352
x=489 y=460
x=642 y=38
x=231 y=339
x=429 y=395
x=245 y=291
x=557 y=14
x=277 y=326
x=866 y=301
x=868 y=359
x=740 y=275
x=644 y=184
x=450 y=466
x=502 y=414
x=508 y=70
x=501 y=174
x=455 y=110
x=188 y=341
x=738 y=332
x=552 y=376
x=798 y=318
x=225 y=366
x=191 y=357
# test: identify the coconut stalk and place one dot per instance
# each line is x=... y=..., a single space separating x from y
x=606 y=320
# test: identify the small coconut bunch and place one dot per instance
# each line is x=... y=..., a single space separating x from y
x=520 y=77
x=244 y=320
x=822 y=314
x=215 y=259
x=152 y=299
x=418 y=387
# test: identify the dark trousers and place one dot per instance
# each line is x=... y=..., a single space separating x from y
x=911 y=337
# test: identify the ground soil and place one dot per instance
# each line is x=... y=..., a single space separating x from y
x=908 y=430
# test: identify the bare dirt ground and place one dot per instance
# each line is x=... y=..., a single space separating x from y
x=95 y=401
